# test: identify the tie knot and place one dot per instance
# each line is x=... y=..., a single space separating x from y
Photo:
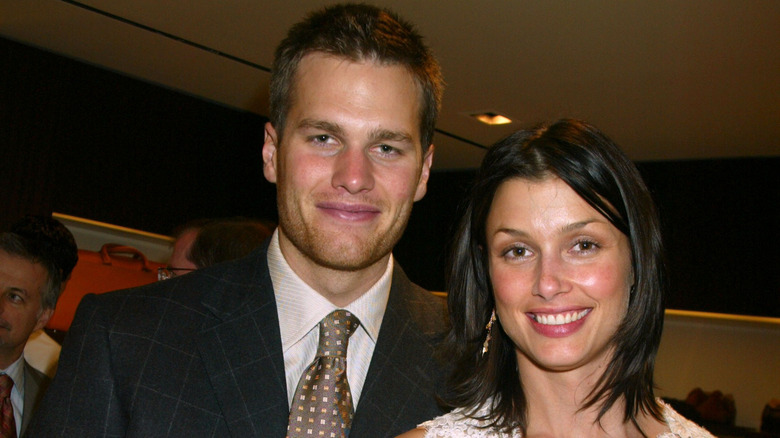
x=335 y=330
x=6 y=383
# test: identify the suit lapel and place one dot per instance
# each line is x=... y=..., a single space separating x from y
x=400 y=367
x=241 y=350
x=35 y=384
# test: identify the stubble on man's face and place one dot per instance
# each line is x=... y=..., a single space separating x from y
x=344 y=201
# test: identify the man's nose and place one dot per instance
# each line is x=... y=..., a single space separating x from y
x=353 y=171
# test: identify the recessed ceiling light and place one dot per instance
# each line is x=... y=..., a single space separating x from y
x=491 y=118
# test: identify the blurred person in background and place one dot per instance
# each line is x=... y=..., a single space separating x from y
x=50 y=237
x=215 y=241
x=30 y=284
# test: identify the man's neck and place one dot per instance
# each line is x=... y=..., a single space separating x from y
x=340 y=287
x=7 y=358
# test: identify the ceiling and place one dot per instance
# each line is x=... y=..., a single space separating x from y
x=666 y=79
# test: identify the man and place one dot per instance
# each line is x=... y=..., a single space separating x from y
x=227 y=239
x=206 y=242
x=51 y=240
x=184 y=237
x=30 y=283
x=228 y=350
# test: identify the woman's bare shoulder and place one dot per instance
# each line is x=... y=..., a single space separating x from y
x=414 y=433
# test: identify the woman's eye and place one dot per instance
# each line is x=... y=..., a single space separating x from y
x=516 y=252
x=585 y=246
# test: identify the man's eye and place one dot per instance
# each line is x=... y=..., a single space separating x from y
x=385 y=149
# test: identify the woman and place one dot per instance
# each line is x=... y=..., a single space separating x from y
x=556 y=295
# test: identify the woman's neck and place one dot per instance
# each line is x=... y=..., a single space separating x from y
x=555 y=399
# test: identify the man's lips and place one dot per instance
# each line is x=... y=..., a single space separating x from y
x=354 y=212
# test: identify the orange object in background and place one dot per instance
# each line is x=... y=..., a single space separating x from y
x=113 y=267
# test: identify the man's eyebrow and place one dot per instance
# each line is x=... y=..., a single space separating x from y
x=388 y=135
x=377 y=135
x=332 y=128
x=17 y=290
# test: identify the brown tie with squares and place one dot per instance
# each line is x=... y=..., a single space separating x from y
x=8 y=425
x=322 y=406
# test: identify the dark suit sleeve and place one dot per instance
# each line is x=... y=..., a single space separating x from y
x=82 y=400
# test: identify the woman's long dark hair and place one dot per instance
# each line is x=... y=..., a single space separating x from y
x=593 y=166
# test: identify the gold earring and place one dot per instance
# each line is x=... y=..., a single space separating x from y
x=489 y=328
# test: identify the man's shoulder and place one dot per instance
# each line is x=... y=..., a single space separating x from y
x=224 y=287
x=428 y=312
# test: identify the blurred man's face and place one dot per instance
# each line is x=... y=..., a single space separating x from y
x=21 y=311
x=181 y=249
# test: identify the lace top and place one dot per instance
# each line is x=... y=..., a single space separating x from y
x=456 y=425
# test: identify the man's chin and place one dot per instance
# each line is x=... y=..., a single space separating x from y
x=345 y=259
x=339 y=249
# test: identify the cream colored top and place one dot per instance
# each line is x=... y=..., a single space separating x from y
x=456 y=425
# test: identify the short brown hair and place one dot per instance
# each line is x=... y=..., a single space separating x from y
x=357 y=32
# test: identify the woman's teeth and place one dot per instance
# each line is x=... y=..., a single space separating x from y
x=561 y=318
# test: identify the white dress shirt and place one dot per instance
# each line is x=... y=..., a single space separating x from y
x=16 y=373
x=301 y=308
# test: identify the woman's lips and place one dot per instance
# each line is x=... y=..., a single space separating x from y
x=558 y=324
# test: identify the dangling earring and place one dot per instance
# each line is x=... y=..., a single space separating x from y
x=489 y=328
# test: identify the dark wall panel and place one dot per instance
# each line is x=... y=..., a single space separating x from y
x=88 y=142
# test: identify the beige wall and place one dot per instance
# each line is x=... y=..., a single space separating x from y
x=736 y=355
x=92 y=235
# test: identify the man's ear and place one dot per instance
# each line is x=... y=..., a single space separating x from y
x=425 y=173
x=43 y=318
x=269 y=153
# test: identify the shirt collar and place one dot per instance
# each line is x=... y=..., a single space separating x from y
x=16 y=372
x=301 y=308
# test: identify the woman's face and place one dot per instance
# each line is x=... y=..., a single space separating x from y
x=561 y=274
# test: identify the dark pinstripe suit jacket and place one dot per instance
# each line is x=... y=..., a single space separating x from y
x=35 y=384
x=201 y=356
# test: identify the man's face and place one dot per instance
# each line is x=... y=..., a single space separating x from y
x=21 y=313
x=351 y=164
x=181 y=249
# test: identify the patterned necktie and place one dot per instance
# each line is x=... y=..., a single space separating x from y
x=322 y=406
x=8 y=425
